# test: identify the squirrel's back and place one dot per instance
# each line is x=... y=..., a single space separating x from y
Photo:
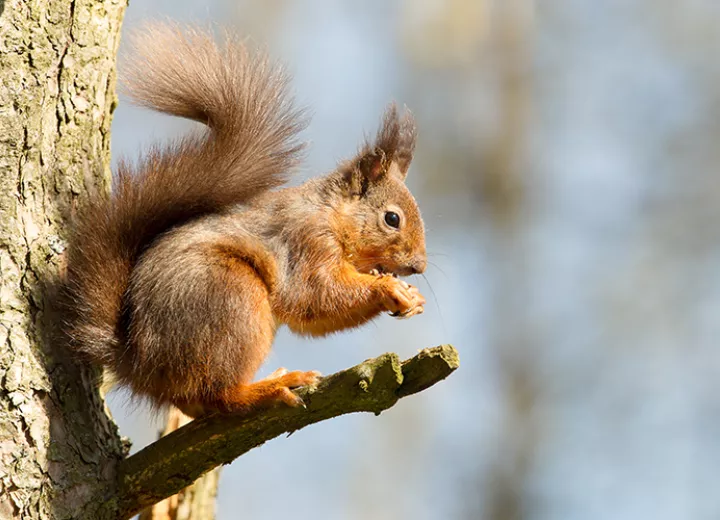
x=250 y=146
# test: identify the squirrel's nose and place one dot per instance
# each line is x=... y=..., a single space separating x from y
x=418 y=266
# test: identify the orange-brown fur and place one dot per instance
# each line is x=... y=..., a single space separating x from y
x=178 y=279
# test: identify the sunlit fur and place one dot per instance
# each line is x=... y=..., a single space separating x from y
x=178 y=280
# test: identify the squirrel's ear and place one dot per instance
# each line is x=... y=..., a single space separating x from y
x=373 y=165
x=369 y=167
x=389 y=154
x=396 y=139
x=406 y=145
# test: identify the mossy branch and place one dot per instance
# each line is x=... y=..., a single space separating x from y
x=175 y=461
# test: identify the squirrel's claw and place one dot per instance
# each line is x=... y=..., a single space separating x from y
x=409 y=313
x=292 y=380
x=290 y=398
x=405 y=300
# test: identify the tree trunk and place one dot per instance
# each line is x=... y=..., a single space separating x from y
x=57 y=94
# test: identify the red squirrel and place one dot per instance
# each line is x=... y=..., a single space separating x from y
x=179 y=278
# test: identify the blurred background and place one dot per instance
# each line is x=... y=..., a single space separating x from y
x=567 y=173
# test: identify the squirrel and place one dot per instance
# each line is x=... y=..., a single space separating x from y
x=178 y=279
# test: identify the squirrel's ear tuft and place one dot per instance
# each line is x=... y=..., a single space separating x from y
x=390 y=153
x=396 y=139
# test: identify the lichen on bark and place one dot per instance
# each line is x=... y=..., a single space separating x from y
x=57 y=64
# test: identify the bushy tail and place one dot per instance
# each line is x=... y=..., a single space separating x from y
x=250 y=146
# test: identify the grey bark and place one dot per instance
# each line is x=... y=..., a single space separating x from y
x=57 y=71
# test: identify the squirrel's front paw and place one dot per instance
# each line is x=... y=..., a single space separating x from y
x=403 y=300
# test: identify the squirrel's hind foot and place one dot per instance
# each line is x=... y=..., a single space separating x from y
x=277 y=387
x=245 y=398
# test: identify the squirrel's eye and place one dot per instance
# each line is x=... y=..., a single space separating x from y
x=392 y=219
